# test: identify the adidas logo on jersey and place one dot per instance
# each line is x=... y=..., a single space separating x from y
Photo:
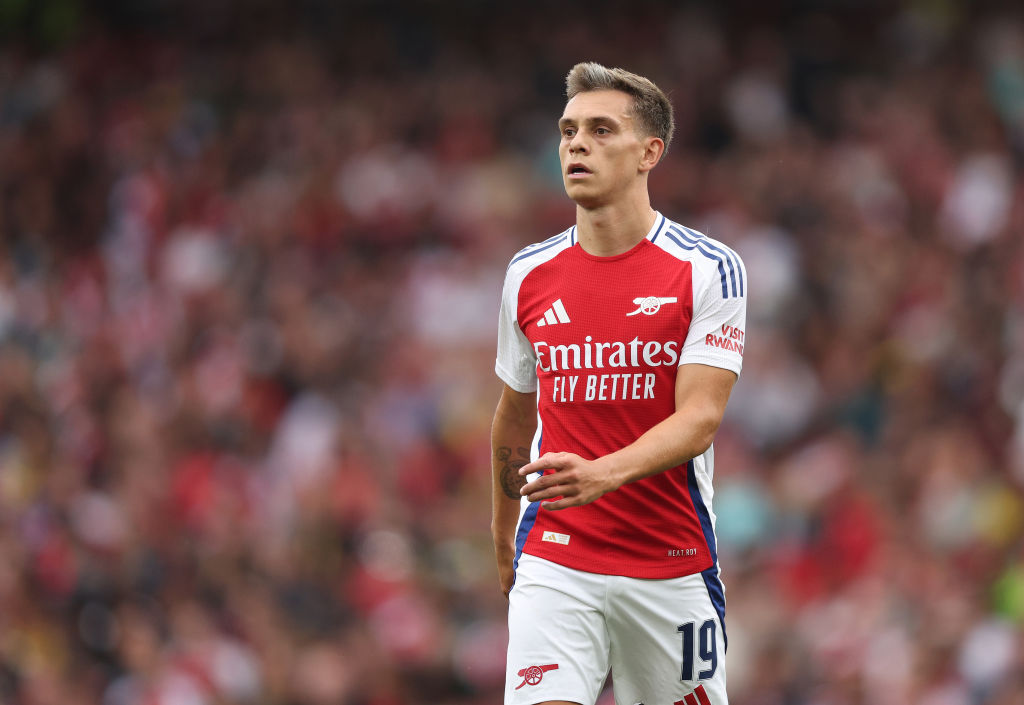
x=554 y=315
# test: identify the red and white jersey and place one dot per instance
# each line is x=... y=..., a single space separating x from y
x=600 y=340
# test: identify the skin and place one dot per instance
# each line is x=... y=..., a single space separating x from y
x=613 y=209
x=515 y=421
x=613 y=214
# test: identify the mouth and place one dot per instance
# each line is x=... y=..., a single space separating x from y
x=577 y=171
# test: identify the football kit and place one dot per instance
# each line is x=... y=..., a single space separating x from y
x=600 y=340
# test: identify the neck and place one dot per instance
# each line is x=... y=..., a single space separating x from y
x=612 y=229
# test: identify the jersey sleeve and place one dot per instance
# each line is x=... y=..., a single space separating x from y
x=516 y=363
x=718 y=329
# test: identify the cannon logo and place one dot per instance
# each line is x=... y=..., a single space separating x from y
x=650 y=305
x=532 y=675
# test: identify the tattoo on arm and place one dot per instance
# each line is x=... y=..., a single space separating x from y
x=511 y=482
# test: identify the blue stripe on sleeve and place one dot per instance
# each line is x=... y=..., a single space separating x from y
x=733 y=259
x=671 y=234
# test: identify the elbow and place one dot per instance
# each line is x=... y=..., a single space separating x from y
x=704 y=435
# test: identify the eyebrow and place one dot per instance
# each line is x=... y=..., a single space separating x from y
x=589 y=121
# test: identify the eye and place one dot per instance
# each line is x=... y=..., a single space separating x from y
x=602 y=131
x=569 y=131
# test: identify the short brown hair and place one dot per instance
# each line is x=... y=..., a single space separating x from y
x=651 y=107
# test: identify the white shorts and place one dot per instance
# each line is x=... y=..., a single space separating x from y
x=662 y=640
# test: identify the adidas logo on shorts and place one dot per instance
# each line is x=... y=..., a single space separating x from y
x=697 y=697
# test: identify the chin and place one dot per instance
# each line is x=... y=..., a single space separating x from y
x=588 y=203
x=586 y=198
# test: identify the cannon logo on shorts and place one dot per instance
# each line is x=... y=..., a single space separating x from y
x=532 y=675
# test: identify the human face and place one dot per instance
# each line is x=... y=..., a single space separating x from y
x=600 y=150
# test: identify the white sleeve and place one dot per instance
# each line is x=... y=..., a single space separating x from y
x=516 y=363
x=718 y=329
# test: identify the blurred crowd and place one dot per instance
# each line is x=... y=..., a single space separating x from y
x=250 y=262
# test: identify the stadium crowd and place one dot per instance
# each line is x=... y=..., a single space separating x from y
x=250 y=261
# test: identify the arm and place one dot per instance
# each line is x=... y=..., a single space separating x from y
x=701 y=395
x=515 y=422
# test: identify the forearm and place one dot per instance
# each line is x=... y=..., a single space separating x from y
x=509 y=453
x=684 y=435
x=701 y=395
x=511 y=436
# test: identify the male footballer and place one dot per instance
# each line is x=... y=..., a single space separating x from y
x=619 y=342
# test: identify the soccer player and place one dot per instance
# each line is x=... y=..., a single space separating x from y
x=619 y=342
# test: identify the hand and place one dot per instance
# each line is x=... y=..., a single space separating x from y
x=575 y=481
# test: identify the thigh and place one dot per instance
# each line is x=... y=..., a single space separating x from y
x=667 y=643
x=558 y=643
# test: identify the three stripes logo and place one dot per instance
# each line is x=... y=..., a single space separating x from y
x=554 y=315
x=697 y=697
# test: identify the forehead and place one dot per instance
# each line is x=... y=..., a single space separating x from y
x=614 y=104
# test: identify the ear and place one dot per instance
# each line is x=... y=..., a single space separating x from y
x=654 y=147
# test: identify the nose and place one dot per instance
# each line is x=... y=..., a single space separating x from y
x=576 y=144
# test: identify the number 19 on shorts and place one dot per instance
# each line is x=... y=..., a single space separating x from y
x=702 y=643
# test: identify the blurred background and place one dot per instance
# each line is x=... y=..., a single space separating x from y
x=250 y=263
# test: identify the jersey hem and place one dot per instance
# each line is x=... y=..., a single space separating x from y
x=642 y=572
x=711 y=362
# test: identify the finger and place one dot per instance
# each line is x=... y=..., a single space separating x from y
x=563 y=503
x=552 y=493
x=545 y=482
x=541 y=483
x=548 y=461
x=539 y=465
